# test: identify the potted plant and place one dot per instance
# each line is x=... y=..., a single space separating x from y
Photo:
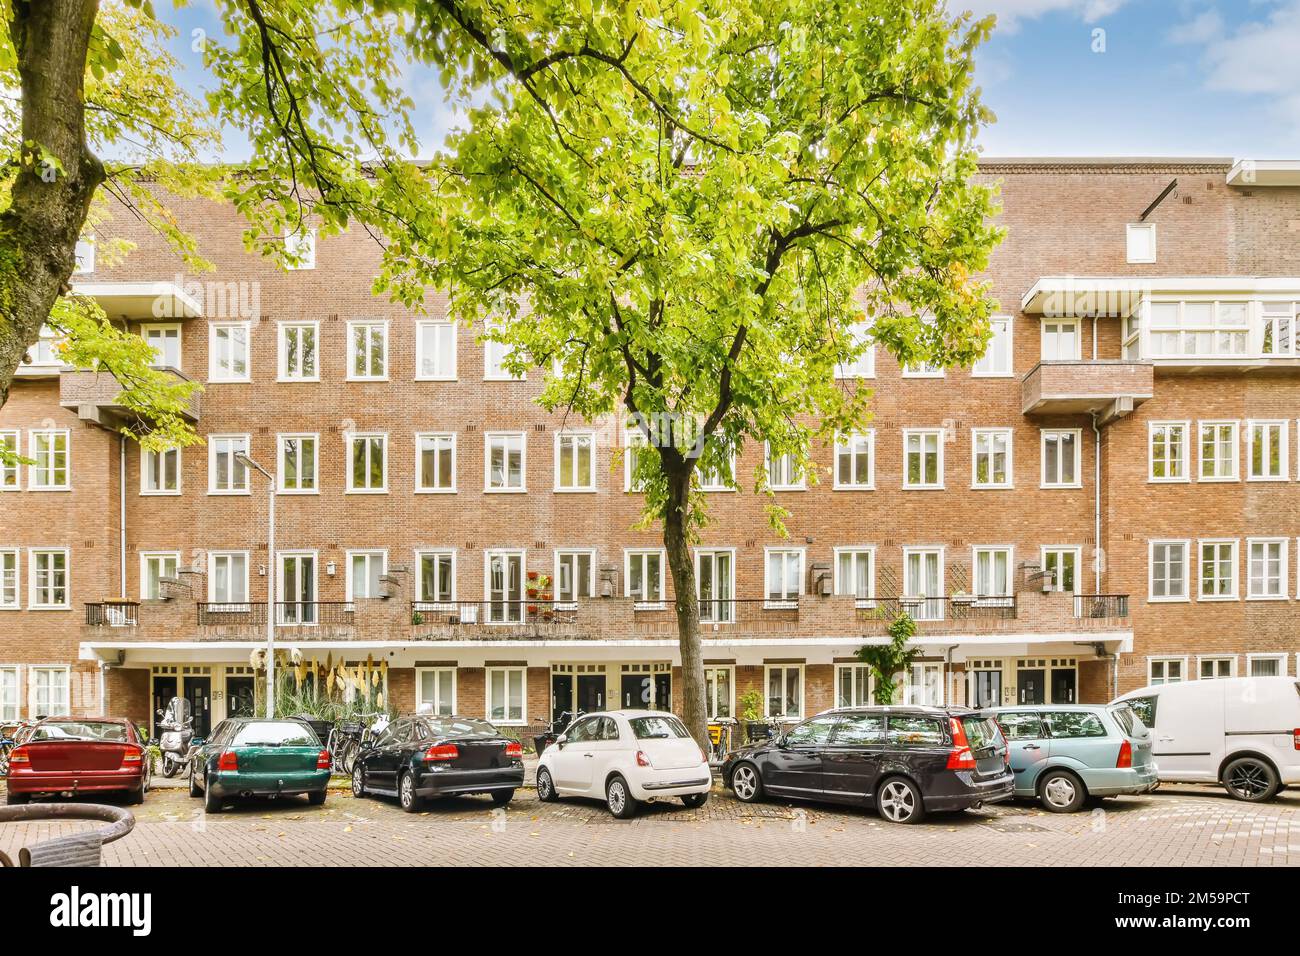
x=751 y=712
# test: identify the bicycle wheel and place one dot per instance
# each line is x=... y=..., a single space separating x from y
x=348 y=755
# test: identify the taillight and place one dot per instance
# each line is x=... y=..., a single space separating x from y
x=960 y=757
x=323 y=760
x=642 y=760
x=19 y=755
x=131 y=759
x=228 y=760
x=1125 y=755
x=515 y=749
x=1295 y=738
x=442 y=752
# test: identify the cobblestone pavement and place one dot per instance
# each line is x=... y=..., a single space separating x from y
x=1179 y=826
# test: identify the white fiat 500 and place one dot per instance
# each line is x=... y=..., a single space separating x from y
x=624 y=757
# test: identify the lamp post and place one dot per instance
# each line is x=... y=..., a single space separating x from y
x=247 y=462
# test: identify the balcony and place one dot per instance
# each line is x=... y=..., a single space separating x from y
x=95 y=397
x=1101 y=606
x=113 y=614
x=1108 y=388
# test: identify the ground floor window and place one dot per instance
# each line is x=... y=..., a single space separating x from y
x=507 y=689
x=718 y=684
x=1216 y=668
x=1165 y=670
x=435 y=691
x=1266 y=665
x=924 y=685
x=9 y=693
x=784 y=690
x=852 y=685
x=49 y=692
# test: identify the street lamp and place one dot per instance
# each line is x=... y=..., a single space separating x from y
x=243 y=459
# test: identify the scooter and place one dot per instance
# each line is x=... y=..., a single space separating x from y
x=176 y=728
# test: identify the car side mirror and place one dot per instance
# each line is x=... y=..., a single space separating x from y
x=560 y=741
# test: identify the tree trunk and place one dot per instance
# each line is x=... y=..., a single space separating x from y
x=57 y=177
x=695 y=712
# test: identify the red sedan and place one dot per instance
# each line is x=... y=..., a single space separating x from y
x=78 y=755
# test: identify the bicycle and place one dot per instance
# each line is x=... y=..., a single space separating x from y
x=721 y=737
x=349 y=737
x=8 y=741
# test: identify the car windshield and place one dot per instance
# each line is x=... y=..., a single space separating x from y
x=104 y=730
x=981 y=732
x=657 y=728
x=275 y=733
x=461 y=727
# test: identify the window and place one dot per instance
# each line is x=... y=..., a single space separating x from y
x=503 y=584
x=367 y=463
x=160 y=472
x=8 y=470
x=507 y=692
x=784 y=690
x=228 y=577
x=852 y=685
x=1218 y=445
x=49 y=691
x=923 y=453
x=226 y=474
x=228 y=352
x=1265 y=665
x=1168 y=562
x=855 y=462
x=924 y=685
x=862 y=360
x=365 y=568
x=1266 y=451
x=717 y=477
x=718 y=684
x=784 y=576
x=154 y=566
x=367 y=351
x=49 y=454
x=1063 y=565
x=504 y=461
x=9 y=694
x=49 y=578
x=1266 y=568
x=996 y=360
x=923 y=583
x=783 y=472
x=296 y=588
x=300 y=249
x=855 y=574
x=1279 y=328
x=1216 y=668
x=1060 y=340
x=1165 y=670
x=166 y=342
x=435 y=691
x=1140 y=242
x=84 y=257
x=298 y=464
x=1073 y=724
x=1218 y=575
x=645 y=577
x=298 y=352
x=992 y=575
x=575 y=576
x=575 y=461
x=435 y=467
x=715 y=580
x=9 y=579
x=435 y=351
x=1061 y=458
x=1199 y=328
x=48 y=350
x=495 y=356
x=634 y=441
x=1168 y=451
x=437 y=576
x=991 y=458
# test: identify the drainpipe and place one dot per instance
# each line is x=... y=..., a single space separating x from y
x=121 y=516
x=1096 y=505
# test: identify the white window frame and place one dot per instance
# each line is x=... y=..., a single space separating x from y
x=787 y=600
x=1284 y=549
x=844 y=443
x=33 y=670
x=34 y=470
x=83 y=262
x=918 y=597
x=488 y=438
x=33 y=572
x=634 y=443
x=215 y=371
x=711 y=690
x=370 y=554
x=841 y=587
x=572 y=603
x=640 y=554
x=145 y=467
x=914 y=689
x=145 y=558
x=975 y=436
x=1058 y=325
x=1186 y=545
x=1164 y=662
x=1133 y=255
x=283 y=331
x=864 y=366
x=488 y=599
x=1234 y=443
x=1009 y=343
x=300 y=250
x=869 y=697
x=921 y=433
x=991 y=549
x=282 y=470
x=420 y=487
x=149 y=327
x=1043 y=437
x=11 y=475
x=710 y=554
x=423 y=603
x=563 y=437
x=1073 y=549
x=442 y=328
x=1280 y=657
x=1183 y=460
x=500 y=351
x=212 y=465
x=721 y=485
x=212 y=577
x=1216 y=659
x=506 y=721
x=13 y=710
x=785 y=668
x=1284 y=431
x=420 y=700
x=370 y=326
x=800 y=484
x=348 y=440
x=1234 y=547
x=16 y=582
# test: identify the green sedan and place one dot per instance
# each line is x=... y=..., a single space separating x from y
x=251 y=756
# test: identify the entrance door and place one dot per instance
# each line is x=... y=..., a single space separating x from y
x=635 y=691
x=297 y=589
x=986 y=688
x=239 y=696
x=1063 y=685
x=1033 y=685
x=198 y=691
x=561 y=695
x=164 y=689
x=714 y=577
x=591 y=692
x=663 y=692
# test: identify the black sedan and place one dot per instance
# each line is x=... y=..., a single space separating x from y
x=421 y=757
x=903 y=761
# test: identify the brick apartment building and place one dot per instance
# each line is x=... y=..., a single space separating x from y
x=1108 y=499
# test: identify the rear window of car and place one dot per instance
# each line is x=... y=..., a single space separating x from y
x=657 y=728
x=275 y=733
x=1128 y=721
x=1068 y=724
x=461 y=727
x=981 y=732
x=915 y=731
x=97 y=730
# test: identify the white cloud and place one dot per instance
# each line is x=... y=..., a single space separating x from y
x=1203 y=28
x=1011 y=12
x=1260 y=58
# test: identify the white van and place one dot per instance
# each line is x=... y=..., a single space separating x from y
x=1243 y=732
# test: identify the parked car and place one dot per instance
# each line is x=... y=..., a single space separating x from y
x=1065 y=753
x=78 y=755
x=903 y=761
x=625 y=757
x=1241 y=732
x=255 y=756
x=420 y=757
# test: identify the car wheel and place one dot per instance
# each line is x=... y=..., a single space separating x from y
x=211 y=802
x=546 y=787
x=619 y=799
x=899 y=801
x=694 y=800
x=358 y=781
x=746 y=783
x=1251 y=779
x=316 y=798
x=194 y=785
x=406 y=794
x=501 y=797
x=135 y=797
x=1060 y=791
x=16 y=799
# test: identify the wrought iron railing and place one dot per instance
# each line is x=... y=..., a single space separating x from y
x=950 y=608
x=113 y=614
x=1101 y=605
x=287 y=613
x=523 y=611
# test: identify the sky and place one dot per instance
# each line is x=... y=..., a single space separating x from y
x=1064 y=77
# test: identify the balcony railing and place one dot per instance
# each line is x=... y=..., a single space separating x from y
x=113 y=614
x=287 y=613
x=1101 y=605
x=959 y=608
x=525 y=611
x=749 y=610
